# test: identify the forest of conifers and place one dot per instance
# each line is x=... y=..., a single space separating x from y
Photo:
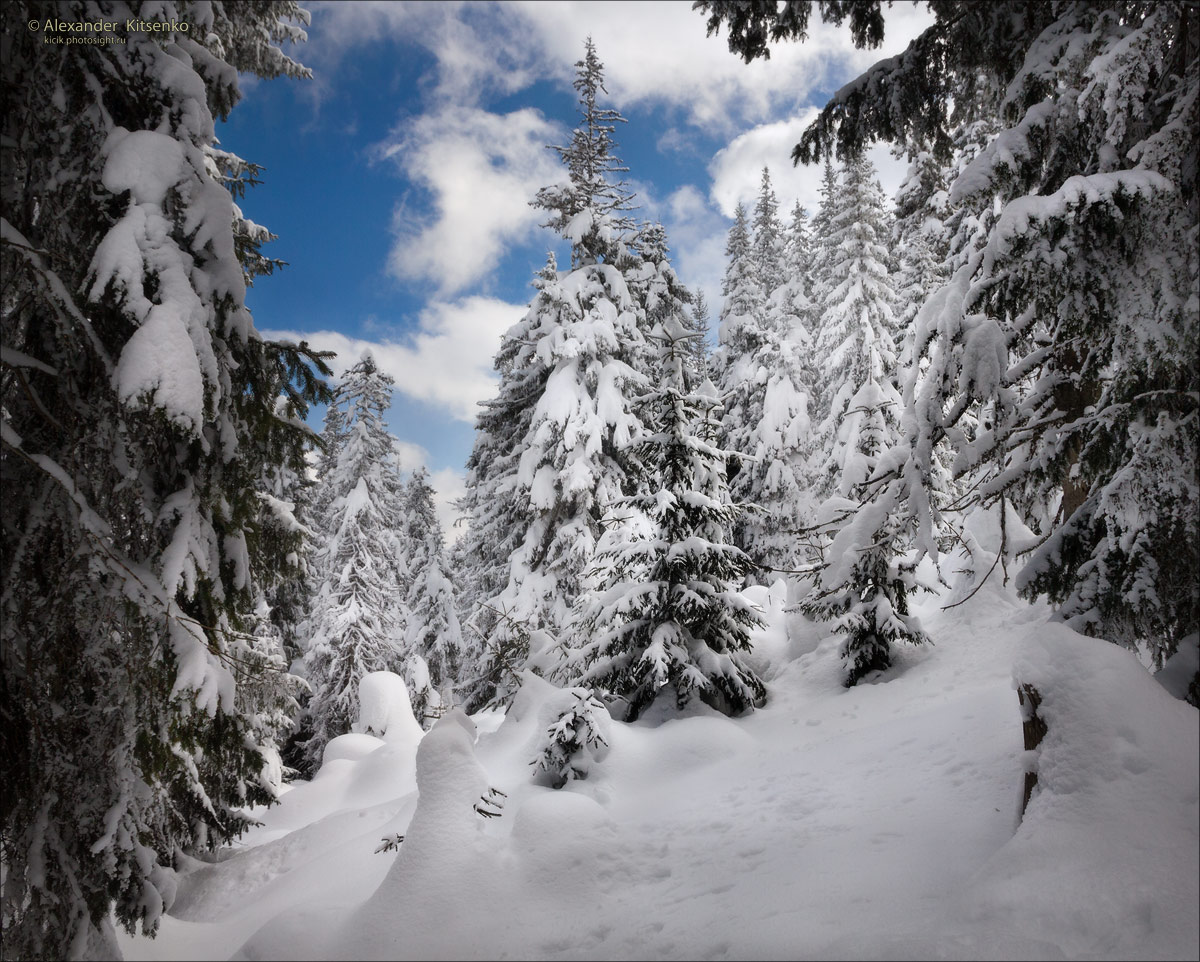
x=196 y=580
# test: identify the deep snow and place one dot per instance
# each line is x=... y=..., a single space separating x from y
x=874 y=822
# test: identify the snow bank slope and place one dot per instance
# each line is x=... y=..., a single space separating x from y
x=876 y=822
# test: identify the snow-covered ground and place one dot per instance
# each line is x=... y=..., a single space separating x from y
x=876 y=822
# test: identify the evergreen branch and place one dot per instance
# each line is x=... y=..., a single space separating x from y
x=32 y=395
x=124 y=570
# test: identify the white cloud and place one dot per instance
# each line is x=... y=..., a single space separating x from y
x=498 y=49
x=736 y=169
x=475 y=48
x=447 y=362
x=711 y=86
x=411 y=455
x=696 y=233
x=449 y=484
x=482 y=170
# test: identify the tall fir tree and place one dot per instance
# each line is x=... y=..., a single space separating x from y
x=820 y=276
x=864 y=584
x=434 y=634
x=585 y=328
x=860 y=407
x=739 y=337
x=921 y=236
x=660 y=294
x=698 y=346
x=139 y=429
x=795 y=294
x=767 y=245
x=670 y=617
x=497 y=509
x=766 y=390
x=358 y=619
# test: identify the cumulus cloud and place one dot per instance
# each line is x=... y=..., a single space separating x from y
x=736 y=169
x=696 y=232
x=710 y=86
x=449 y=485
x=481 y=170
x=411 y=455
x=498 y=49
x=475 y=49
x=445 y=362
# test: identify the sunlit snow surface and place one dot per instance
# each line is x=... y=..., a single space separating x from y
x=876 y=822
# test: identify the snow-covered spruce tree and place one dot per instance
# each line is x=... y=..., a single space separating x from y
x=864 y=583
x=778 y=478
x=576 y=740
x=820 y=279
x=697 y=324
x=433 y=634
x=921 y=239
x=656 y=287
x=794 y=306
x=1084 y=285
x=767 y=245
x=280 y=617
x=357 y=621
x=669 y=617
x=764 y=389
x=497 y=509
x=587 y=333
x=796 y=291
x=766 y=386
x=742 y=296
x=286 y=520
x=139 y=422
x=861 y=407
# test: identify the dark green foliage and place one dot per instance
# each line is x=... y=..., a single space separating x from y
x=669 y=616
x=140 y=702
x=752 y=23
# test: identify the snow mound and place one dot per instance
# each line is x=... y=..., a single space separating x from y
x=385 y=710
x=1116 y=810
x=427 y=893
x=873 y=822
x=349 y=747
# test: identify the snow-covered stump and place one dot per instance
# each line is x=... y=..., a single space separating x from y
x=1034 y=729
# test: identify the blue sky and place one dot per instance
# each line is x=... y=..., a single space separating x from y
x=398 y=179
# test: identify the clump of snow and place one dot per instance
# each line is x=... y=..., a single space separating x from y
x=144 y=162
x=1179 y=671
x=385 y=710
